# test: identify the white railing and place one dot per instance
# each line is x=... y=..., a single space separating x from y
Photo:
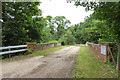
x=12 y=51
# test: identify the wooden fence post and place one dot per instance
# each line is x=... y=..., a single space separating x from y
x=118 y=60
x=108 y=57
x=111 y=55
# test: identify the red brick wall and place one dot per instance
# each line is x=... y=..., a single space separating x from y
x=31 y=46
x=42 y=46
x=96 y=50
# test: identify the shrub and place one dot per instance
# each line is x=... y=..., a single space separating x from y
x=29 y=51
x=54 y=41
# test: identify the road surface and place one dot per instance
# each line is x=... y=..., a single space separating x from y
x=54 y=65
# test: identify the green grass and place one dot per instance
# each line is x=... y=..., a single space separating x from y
x=50 y=50
x=38 y=53
x=14 y=57
x=90 y=66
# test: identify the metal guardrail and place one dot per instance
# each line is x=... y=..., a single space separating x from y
x=12 y=51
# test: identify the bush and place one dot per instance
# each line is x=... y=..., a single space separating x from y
x=54 y=41
x=29 y=51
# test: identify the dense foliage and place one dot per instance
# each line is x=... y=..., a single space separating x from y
x=107 y=13
x=23 y=22
x=17 y=22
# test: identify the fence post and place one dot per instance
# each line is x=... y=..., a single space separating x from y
x=9 y=53
x=118 y=60
x=111 y=55
x=42 y=46
x=0 y=55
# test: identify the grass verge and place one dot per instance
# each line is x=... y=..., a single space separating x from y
x=15 y=57
x=89 y=66
x=37 y=53
x=50 y=50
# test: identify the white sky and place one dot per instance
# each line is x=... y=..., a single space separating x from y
x=62 y=8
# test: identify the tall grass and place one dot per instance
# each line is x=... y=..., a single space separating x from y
x=89 y=66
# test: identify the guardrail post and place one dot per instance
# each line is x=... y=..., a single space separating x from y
x=9 y=53
x=42 y=46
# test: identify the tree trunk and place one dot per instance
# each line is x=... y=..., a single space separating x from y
x=118 y=60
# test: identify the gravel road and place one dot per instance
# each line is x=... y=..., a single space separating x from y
x=54 y=65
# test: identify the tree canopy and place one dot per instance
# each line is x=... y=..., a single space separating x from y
x=107 y=12
x=23 y=22
x=17 y=22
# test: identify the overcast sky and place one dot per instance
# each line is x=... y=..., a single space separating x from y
x=62 y=8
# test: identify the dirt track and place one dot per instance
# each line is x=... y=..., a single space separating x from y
x=54 y=65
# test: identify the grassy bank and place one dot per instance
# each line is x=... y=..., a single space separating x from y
x=89 y=66
x=37 y=53
x=50 y=50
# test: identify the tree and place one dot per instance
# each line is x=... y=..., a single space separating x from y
x=38 y=24
x=67 y=38
x=17 y=19
x=46 y=35
x=108 y=11
x=50 y=22
x=61 y=23
x=70 y=37
x=85 y=31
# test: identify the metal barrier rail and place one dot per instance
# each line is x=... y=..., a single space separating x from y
x=13 y=51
